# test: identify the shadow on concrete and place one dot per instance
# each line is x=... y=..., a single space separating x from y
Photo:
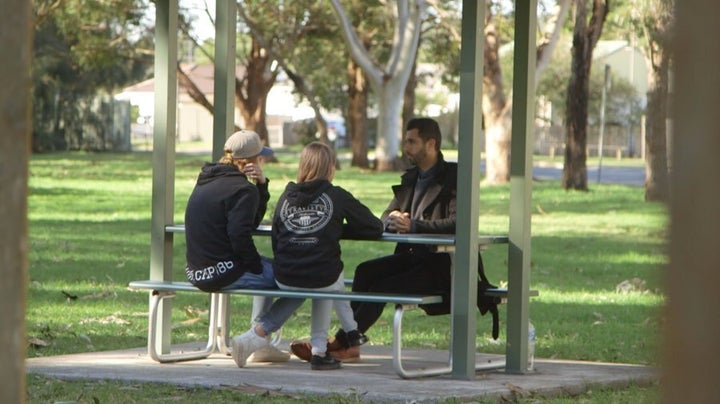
x=371 y=379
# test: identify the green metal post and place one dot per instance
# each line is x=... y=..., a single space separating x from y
x=224 y=107
x=464 y=284
x=521 y=186
x=163 y=161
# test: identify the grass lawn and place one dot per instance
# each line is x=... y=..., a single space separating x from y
x=597 y=260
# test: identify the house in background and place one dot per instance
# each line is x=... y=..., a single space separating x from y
x=626 y=61
x=195 y=122
x=620 y=139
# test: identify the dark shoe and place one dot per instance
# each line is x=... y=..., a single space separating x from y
x=347 y=355
x=356 y=338
x=302 y=350
x=340 y=341
x=334 y=344
x=324 y=363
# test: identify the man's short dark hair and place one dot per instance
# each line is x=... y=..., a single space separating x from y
x=428 y=128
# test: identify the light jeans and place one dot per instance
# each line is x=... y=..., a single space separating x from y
x=321 y=311
x=265 y=280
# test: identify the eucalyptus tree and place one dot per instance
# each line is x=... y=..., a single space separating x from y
x=260 y=70
x=656 y=20
x=441 y=45
x=304 y=45
x=387 y=76
x=273 y=36
x=586 y=33
x=257 y=69
x=496 y=102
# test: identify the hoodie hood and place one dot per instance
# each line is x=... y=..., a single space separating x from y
x=304 y=193
x=211 y=171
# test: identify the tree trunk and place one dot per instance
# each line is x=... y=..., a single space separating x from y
x=657 y=186
x=659 y=32
x=387 y=79
x=252 y=90
x=16 y=36
x=585 y=37
x=408 y=111
x=575 y=168
x=497 y=108
x=494 y=103
x=389 y=131
x=356 y=126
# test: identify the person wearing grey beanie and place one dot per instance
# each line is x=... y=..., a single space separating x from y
x=228 y=202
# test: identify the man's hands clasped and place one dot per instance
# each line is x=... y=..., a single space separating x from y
x=398 y=222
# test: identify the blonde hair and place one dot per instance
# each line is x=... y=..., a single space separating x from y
x=317 y=161
x=229 y=160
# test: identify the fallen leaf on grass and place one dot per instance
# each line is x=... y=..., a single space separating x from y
x=192 y=311
x=37 y=342
x=631 y=285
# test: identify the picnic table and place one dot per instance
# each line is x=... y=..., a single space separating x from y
x=159 y=338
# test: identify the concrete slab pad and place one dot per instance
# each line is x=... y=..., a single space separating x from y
x=371 y=379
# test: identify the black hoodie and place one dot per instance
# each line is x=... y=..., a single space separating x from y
x=310 y=218
x=223 y=210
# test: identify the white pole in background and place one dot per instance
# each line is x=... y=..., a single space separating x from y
x=606 y=84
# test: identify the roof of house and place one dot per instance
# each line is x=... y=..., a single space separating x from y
x=201 y=75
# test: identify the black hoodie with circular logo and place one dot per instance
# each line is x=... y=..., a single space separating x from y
x=310 y=219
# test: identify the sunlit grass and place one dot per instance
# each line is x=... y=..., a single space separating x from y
x=89 y=226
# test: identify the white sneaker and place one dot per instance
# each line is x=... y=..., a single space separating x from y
x=269 y=353
x=244 y=345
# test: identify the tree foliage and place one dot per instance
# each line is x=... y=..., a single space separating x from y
x=623 y=100
x=299 y=37
x=83 y=48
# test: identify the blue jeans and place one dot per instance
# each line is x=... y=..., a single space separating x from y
x=264 y=280
x=271 y=315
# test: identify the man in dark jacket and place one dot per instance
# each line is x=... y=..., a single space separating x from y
x=424 y=202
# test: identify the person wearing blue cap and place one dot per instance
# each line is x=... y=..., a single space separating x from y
x=228 y=202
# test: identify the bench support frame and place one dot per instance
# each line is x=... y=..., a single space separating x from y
x=217 y=341
x=218 y=335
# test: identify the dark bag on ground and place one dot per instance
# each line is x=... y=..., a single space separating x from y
x=485 y=303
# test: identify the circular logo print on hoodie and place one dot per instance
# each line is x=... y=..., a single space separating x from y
x=309 y=218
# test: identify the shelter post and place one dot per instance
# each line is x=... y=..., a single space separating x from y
x=521 y=186
x=464 y=283
x=163 y=160
x=224 y=85
x=224 y=102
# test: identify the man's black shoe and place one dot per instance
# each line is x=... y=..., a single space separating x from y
x=324 y=363
x=356 y=338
